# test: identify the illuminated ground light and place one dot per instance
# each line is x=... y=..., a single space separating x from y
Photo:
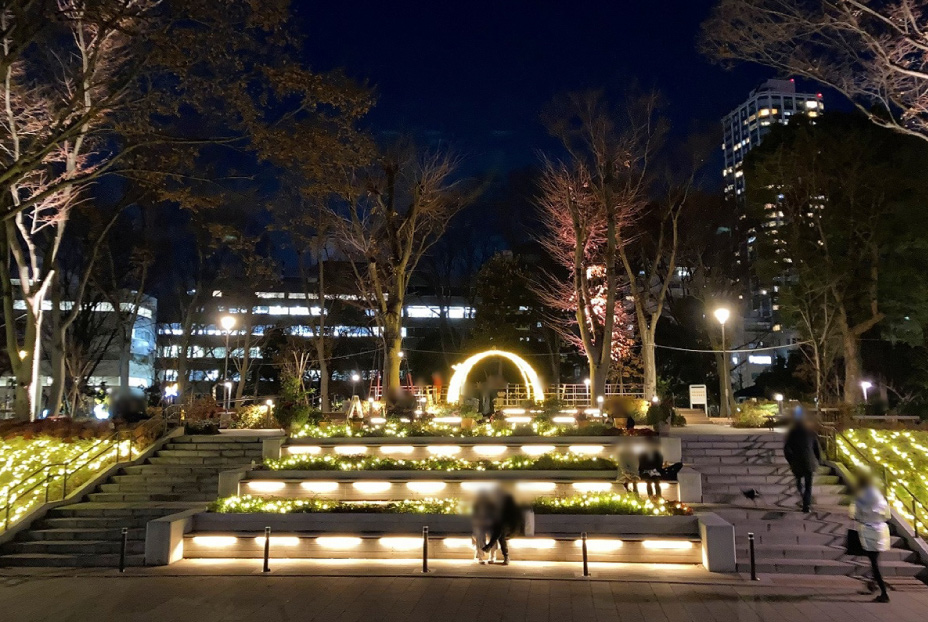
x=490 y=450
x=532 y=383
x=592 y=486
x=514 y=411
x=372 y=487
x=458 y=543
x=378 y=420
x=426 y=488
x=667 y=545
x=279 y=540
x=444 y=450
x=397 y=543
x=595 y=545
x=261 y=486
x=477 y=486
x=448 y=420
x=563 y=419
x=536 y=486
x=397 y=450
x=350 y=450
x=518 y=419
x=215 y=541
x=319 y=487
x=586 y=450
x=304 y=449
x=538 y=450
x=338 y=542
x=532 y=543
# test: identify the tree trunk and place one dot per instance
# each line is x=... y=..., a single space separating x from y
x=852 y=368
x=598 y=377
x=649 y=364
x=393 y=345
x=323 y=375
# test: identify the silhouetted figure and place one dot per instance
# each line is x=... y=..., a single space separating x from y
x=650 y=468
x=871 y=512
x=507 y=523
x=803 y=454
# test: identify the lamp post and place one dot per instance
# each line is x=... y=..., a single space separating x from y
x=865 y=385
x=355 y=377
x=228 y=323
x=778 y=397
x=589 y=395
x=722 y=314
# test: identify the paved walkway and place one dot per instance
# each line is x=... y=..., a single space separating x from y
x=296 y=591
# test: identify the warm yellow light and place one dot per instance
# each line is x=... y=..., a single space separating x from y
x=490 y=450
x=563 y=419
x=426 y=488
x=722 y=314
x=227 y=322
x=513 y=411
x=319 y=487
x=338 y=542
x=600 y=545
x=586 y=450
x=279 y=540
x=532 y=543
x=215 y=541
x=394 y=450
x=458 y=543
x=444 y=450
x=350 y=450
x=517 y=419
x=304 y=449
x=265 y=486
x=536 y=486
x=378 y=420
x=537 y=450
x=400 y=543
x=372 y=487
x=477 y=486
x=667 y=544
x=532 y=383
x=449 y=420
x=592 y=486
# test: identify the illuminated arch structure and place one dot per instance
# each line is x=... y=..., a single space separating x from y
x=536 y=391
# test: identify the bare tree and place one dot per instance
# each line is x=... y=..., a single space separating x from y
x=589 y=206
x=874 y=52
x=389 y=221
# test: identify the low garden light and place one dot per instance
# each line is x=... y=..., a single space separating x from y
x=778 y=398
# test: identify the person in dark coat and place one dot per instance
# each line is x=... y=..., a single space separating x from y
x=651 y=467
x=803 y=454
x=507 y=523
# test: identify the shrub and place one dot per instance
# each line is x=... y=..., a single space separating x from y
x=659 y=414
x=251 y=417
x=622 y=406
x=753 y=414
x=203 y=409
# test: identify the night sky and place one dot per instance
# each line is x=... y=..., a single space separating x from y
x=476 y=74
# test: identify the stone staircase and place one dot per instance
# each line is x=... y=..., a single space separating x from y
x=694 y=416
x=182 y=475
x=786 y=540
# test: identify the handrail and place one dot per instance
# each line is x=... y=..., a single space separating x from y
x=890 y=493
x=113 y=441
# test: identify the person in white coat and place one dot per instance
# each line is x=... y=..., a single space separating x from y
x=871 y=513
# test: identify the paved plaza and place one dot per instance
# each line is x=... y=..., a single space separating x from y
x=300 y=591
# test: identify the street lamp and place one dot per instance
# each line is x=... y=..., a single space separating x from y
x=722 y=314
x=865 y=385
x=778 y=397
x=589 y=394
x=228 y=323
x=228 y=386
x=355 y=377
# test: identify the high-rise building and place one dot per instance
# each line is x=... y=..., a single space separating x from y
x=773 y=102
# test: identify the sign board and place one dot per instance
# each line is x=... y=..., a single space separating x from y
x=698 y=396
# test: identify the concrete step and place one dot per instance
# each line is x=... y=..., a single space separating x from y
x=819 y=490
x=62 y=534
x=689 y=452
x=210 y=453
x=831 y=567
x=95 y=523
x=742 y=470
x=173 y=470
x=75 y=547
x=154 y=488
x=699 y=461
x=50 y=560
x=771 y=553
x=146 y=510
x=715 y=480
x=218 y=438
x=195 y=460
x=135 y=497
x=208 y=479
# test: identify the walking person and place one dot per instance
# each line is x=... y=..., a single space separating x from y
x=871 y=512
x=803 y=455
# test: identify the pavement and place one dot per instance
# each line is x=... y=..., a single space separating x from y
x=336 y=590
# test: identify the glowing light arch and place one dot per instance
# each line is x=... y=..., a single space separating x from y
x=536 y=390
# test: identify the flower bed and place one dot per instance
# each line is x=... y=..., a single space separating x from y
x=431 y=429
x=546 y=462
x=609 y=504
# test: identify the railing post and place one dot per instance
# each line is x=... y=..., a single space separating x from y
x=753 y=559
x=586 y=564
x=48 y=482
x=425 y=549
x=915 y=515
x=122 y=549
x=64 y=482
x=267 y=550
